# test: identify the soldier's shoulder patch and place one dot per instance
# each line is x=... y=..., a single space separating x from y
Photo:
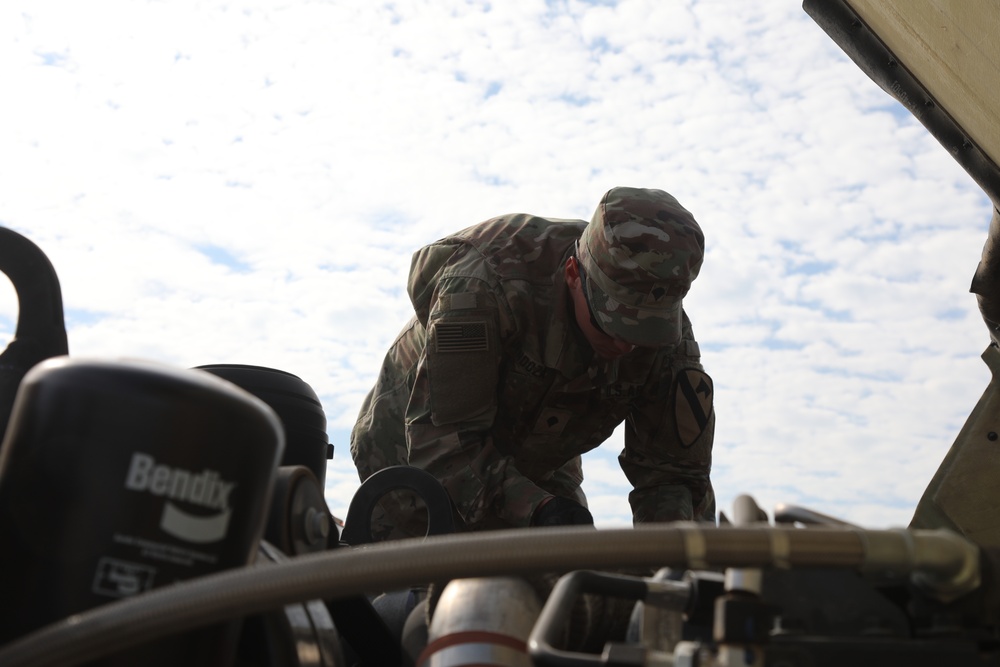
x=468 y=335
x=459 y=301
x=693 y=404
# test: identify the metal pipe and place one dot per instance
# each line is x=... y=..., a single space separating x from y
x=784 y=513
x=746 y=512
x=944 y=563
x=482 y=621
x=548 y=631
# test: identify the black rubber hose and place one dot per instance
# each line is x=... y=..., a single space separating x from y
x=558 y=609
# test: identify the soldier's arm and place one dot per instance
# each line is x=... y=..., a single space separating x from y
x=453 y=404
x=668 y=447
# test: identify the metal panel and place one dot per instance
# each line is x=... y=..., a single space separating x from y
x=953 y=48
x=938 y=58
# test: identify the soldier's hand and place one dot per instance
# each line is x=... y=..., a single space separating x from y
x=562 y=512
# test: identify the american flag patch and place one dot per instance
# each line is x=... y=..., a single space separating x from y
x=461 y=337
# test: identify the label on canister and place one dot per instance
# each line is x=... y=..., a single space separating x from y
x=120 y=477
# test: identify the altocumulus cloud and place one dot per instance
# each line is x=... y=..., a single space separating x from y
x=245 y=184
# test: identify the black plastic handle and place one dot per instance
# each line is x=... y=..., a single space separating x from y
x=41 y=328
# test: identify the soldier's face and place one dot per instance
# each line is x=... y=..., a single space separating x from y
x=604 y=346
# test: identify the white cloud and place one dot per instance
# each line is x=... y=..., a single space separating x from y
x=318 y=145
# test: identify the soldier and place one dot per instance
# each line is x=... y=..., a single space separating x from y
x=532 y=339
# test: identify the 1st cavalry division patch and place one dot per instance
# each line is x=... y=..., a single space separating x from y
x=692 y=404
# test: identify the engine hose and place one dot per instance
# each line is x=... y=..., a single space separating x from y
x=946 y=563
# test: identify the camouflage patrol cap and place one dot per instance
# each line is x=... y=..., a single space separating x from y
x=640 y=253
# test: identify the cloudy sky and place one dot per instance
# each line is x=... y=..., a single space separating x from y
x=245 y=182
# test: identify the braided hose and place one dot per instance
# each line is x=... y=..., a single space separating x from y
x=944 y=563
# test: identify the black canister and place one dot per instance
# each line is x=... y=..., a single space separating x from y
x=118 y=477
x=295 y=403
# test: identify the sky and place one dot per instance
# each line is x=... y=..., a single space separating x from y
x=245 y=182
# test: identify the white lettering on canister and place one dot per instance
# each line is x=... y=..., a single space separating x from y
x=204 y=489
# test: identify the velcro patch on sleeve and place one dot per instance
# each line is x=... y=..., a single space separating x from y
x=461 y=337
x=693 y=404
x=461 y=301
x=551 y=421
x=463 y=368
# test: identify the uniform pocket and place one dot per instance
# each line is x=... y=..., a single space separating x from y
x=462 y=368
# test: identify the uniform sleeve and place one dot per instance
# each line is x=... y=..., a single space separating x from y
x=453 y=405
x=668 y=447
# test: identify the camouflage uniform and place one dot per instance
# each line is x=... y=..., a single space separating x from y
x=493 y=388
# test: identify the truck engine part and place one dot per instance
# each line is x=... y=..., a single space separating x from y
x=786 y=513
x=371 y=638
x=741 y=620
x=681 y=610
x=464 y=631
x=41 y=331
x=938 y=562
x=969 y=464
x=121 y=477
x=300 y=634
x=555 y=617
x=297 y=406
x=299 y=521
x=357 y=525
